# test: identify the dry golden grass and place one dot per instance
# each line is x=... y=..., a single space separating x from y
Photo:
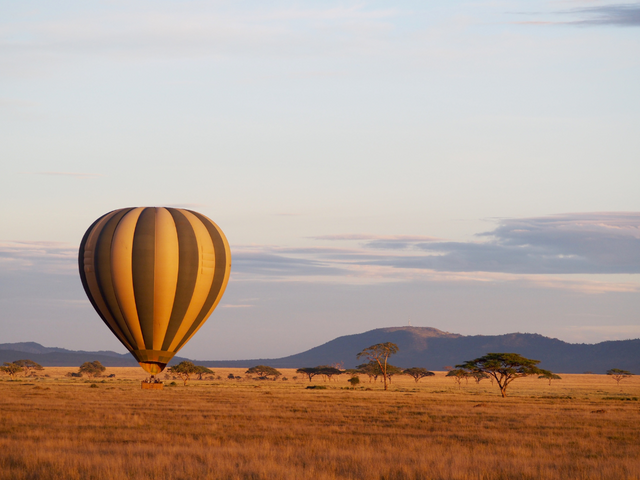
x=247 y=429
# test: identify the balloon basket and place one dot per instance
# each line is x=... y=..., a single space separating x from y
x=152 y=386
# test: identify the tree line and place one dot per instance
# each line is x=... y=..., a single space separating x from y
x=503 y=368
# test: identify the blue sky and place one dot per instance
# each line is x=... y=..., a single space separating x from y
x=470 y=166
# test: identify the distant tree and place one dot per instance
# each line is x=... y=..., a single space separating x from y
x=618 y=374
x=202 y=370
x=328 y=372
x=29 y=366
x=264 y=372
x=393 y=370
x=309 y=372
x=504 y=367
x=479 y=376
x=550 y=376
x=11 y=369
x=459 y=374
x=184 y=370
x=354 y=380
x=380 y=354
x=417 y=373
x=371 y=370
x=231 y=376
x=91 y=369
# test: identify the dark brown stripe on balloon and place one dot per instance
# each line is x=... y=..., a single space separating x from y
x=102 y=265
x=188 y=262
x=143 y=259
x=83 y=275
x=218 y=276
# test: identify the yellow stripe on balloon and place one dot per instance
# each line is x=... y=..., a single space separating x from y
x=204 y=280
x=121 y=250
x=227 y=273
x=166 y=274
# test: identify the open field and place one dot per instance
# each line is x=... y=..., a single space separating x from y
x=580 y=427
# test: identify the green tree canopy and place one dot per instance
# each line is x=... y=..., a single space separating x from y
x=380 y=353
x=202 y=370
x=371 y=369
x=309 y=372
x=619 y=374
x=479 y=376
x=504 y=367
x=29 y=366
x=459 y=374
x=184 y=370
x=550 y=376
x=328 y=371
x=264 y=372
x=417 y=373
x=92 y=369
x=11 y=369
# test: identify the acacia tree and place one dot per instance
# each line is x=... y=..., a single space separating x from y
x=393 y=370
x=308 y=371
x=550 y=376
x=264 y=371
x=380 y=354
x=417 y=373
x=479 y=376
x=203 y=370
x=619 y=374
x=504 y=367
x=370 y=369
x=328 y=372
x=92 y=369
x=28 y=366
x=184 y=370
x=459 y=374
x=11 y=369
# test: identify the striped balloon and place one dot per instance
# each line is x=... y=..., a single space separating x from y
x=154 y=275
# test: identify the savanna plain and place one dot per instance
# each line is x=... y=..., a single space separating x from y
x=579 y=427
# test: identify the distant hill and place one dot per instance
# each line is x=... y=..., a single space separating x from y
x=419 y=347
x=435 y=350
x=61 y=357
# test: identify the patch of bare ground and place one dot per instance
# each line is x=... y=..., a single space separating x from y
x=248 y=429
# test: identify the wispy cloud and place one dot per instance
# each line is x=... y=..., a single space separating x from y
x=541 y=252
x=617 y=15
x=50 y=257
x=536 y=251
x=621 y=15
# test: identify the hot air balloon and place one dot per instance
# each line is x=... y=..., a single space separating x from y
x=154 y=275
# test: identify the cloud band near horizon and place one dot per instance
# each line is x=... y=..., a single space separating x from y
x=565 y=244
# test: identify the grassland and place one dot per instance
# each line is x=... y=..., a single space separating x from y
x=581 y=427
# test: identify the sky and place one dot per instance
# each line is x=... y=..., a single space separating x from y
x=468 y=166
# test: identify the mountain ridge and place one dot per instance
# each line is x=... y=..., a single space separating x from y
x=418 y=347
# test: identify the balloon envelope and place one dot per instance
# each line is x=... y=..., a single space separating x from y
x=154 y=275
